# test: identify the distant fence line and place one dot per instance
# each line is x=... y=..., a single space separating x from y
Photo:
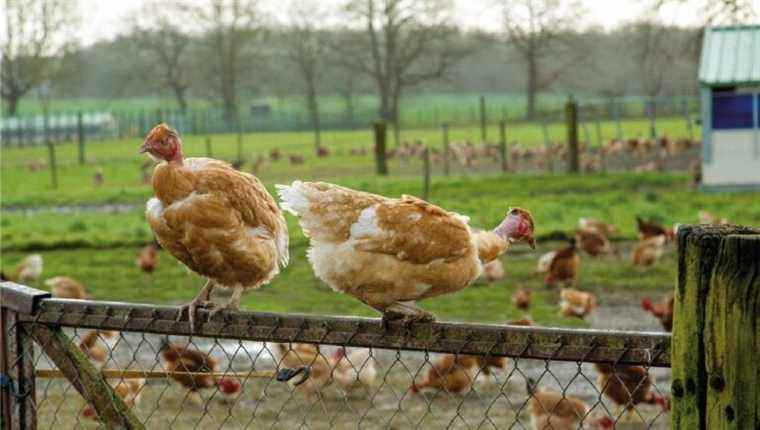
x=63 y=126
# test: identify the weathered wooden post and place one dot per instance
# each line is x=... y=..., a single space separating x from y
x=571 y=123
x=483 y=120
x=446 y=149
x=426 y=173
x=380 y=141
x=598 y=127
x=503 y=145
x=209 y=151
x=19 y=410
x=80 y=136
x=716 y=340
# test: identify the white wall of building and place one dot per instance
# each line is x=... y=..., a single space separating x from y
x=735 y=158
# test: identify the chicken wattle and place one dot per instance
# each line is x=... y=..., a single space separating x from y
x=388 y=252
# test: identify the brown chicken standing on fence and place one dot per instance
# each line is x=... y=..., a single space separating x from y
x=219 y=222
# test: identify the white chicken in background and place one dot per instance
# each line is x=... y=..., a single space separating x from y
x=355 y=370
x=545 y=261
x=389 y=253
x=28 y=270
x=493 y=271
x=130 y=391
x=576 y=303
x=648 y=251
x=98 y=346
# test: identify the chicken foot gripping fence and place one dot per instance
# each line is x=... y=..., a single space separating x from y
x=135 y=366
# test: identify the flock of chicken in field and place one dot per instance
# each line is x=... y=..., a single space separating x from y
x=388 y=253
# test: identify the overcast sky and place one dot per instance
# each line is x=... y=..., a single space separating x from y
x=105 y=19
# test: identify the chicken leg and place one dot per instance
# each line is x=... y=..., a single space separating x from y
x=233 y=304
x=407 y=311
x=202 y=300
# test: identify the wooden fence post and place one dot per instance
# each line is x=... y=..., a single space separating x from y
x=18 y=411
x=503 y=145
x=716 y=341
x=380 y=141
x=239 y=139
x=598 y=127
x=426 y=173
x=571 y=122
x=446 y=149
x=209 y=151
x=80 y=136
x=483 y=121
x=90 y=383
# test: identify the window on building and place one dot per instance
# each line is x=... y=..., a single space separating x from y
x=732 y=110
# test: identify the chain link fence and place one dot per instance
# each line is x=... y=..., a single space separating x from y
x=260 y=370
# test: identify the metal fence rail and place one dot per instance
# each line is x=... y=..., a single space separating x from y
x=394 y=375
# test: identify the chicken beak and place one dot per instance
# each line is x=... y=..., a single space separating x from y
x=532 y=243
x=143 y=147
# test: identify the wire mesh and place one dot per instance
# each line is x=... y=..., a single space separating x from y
x=436 y=376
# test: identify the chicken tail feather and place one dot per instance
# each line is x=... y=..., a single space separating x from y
x=292 y=198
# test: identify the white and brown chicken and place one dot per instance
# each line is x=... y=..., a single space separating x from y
x=390 y=253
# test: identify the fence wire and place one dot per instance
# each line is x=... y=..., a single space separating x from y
x=244 y=370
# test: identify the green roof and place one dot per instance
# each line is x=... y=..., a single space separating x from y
x=730 y=56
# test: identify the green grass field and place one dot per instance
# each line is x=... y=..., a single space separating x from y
x=120 y=162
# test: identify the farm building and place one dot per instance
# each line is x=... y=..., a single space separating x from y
x=729 y=78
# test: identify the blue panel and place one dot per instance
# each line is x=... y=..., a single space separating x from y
x=732 y=111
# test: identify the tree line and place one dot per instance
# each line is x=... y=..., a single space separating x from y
x=226 y=51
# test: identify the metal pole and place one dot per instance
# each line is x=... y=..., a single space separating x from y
x=571 y=122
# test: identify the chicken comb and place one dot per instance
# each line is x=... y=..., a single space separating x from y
x=161 y=132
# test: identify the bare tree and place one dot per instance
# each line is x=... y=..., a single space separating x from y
x=404 y=43
x=719 y=11
x=649 y=45
x=36 y=36
x=305 y=48
x=538 y=29
x=233 y=28
x=154 y=32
